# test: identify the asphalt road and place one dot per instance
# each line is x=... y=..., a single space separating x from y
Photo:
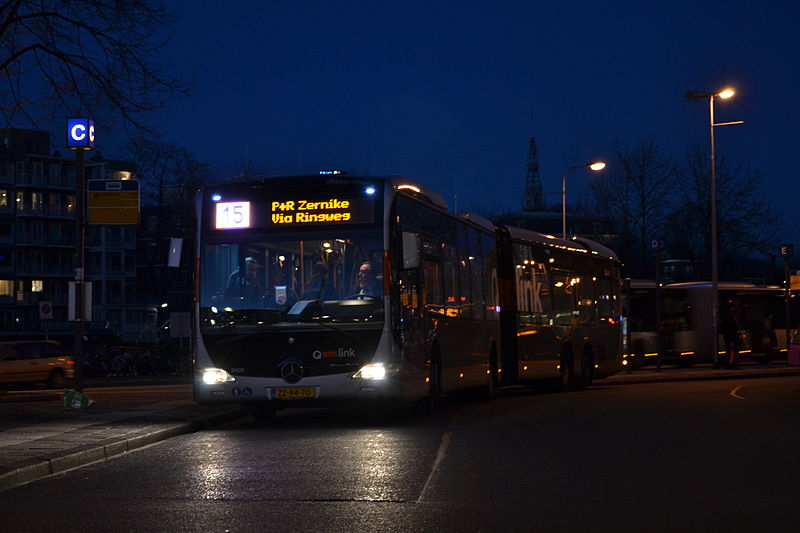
x=679 y=456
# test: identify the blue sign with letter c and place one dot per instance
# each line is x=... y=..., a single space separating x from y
x=80 y=133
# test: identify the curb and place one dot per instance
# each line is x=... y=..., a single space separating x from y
x=55 y=465
x=711 y=375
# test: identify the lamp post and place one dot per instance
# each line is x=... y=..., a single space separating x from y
x=700 y=95
x=596 y=166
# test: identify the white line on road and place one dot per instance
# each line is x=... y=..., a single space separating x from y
x=734 y=391
x=440 y=453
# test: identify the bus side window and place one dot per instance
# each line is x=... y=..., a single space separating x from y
x=563 y=298
x=432 y=283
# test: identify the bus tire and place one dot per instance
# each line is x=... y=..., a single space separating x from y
x=566 y=380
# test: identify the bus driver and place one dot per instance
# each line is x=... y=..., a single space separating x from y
x=366 y=282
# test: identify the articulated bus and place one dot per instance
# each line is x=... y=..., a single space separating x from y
x=686 y=326
x=324 y=289
x=560 y=308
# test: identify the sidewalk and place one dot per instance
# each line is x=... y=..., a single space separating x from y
x=747 y=369
x=39 y=437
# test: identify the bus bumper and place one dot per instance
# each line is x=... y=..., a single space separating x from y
x=320 y=390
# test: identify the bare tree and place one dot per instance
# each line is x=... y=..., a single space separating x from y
x=93 y=57
x=746 y=221
x=169 y=175
x=635 y=195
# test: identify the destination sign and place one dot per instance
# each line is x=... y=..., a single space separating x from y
x=311 y=211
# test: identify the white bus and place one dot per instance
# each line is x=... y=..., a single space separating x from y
x=686 y=327
x=284 y=315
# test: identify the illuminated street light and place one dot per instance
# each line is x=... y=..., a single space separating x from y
x=701 y=95
x=596 y=166
x=726 y=93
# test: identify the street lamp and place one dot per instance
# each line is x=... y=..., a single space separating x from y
x=596 y=166
x=701 y=95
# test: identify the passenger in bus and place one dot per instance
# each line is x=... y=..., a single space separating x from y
x=246 y=290
x=366 y=282
x=317 y=285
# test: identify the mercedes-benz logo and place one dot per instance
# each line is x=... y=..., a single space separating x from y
x=291 y=370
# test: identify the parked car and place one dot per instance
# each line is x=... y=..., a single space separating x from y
x=35 y=361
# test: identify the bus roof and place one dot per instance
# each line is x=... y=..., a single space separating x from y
x=576 y=244
x=727 y=285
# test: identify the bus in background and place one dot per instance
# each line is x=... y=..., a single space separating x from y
x=320 y=289
x=560 y=306
x=687 y=332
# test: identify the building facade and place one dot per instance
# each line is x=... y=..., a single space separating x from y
x=37 y=246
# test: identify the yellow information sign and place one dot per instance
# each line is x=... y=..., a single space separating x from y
x=794 y=280
x=112 y=201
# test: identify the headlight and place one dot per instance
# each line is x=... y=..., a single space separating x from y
x=376 y=371
x=216 y=375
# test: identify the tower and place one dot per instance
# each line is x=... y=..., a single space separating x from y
x=532 y=197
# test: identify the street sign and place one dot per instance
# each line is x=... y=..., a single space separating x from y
x=113 y=201
x=787 y=250
x=794 y=280
x=45 y=311
x=80 y=134
x=658 y=244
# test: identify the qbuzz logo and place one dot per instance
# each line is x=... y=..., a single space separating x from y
x=334 y=354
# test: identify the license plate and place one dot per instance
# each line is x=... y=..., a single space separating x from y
x=293 y=393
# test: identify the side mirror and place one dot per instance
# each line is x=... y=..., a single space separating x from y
x=410 y=250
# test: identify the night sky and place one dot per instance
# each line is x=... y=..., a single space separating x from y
x=449 y=93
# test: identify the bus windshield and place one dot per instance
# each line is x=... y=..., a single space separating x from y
x=329 y=276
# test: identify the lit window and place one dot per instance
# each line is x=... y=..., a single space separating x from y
x=6 y=287
x=3 y=198
x=37 y=285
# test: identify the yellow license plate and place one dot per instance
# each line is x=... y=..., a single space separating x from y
x=288 y=393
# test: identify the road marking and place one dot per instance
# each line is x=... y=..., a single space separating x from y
x=440 y=453
x=734 y=391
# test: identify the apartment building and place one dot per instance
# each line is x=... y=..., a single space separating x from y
x=37 y=245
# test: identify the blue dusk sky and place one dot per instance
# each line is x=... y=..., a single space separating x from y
x=449 y=93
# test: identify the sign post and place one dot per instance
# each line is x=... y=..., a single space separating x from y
x=45 y=314
x=658 y=245
x=787 y=251
x=80 y=137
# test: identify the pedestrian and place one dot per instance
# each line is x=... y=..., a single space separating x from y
x=730 y=334
x=769 y=339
